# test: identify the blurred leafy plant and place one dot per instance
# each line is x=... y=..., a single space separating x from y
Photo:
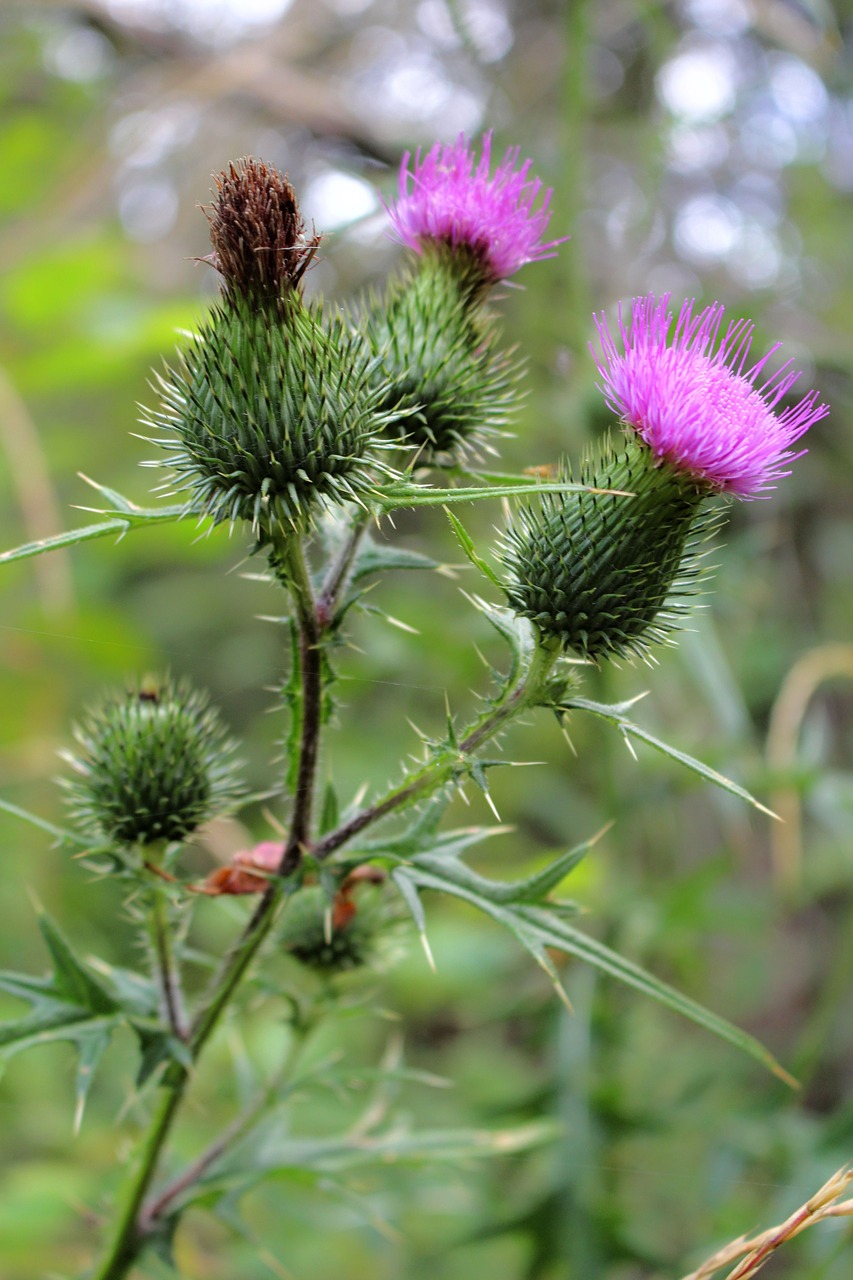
x=305 y=428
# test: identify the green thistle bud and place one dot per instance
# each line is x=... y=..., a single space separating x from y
x=323 y=937
x=605 y=575
x=447 y=387
x=153 y=765
x=272 y=410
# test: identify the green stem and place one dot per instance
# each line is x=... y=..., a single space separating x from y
x=270 y=1093
x=128 y=1240
x=165 y=966
x=129 y=1236
x=516 y=697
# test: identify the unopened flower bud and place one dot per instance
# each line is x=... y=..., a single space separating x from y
x=260 y=246
x=329 y=935
x=152 y=766
x=448 y=387
x=609 y=575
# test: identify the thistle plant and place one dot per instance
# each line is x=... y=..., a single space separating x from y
x=306 y=427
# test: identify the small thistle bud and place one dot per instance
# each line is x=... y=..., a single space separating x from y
x=447 y=388
x=606 y=575
x=153 y=765
x=259 y=243
x=330 y=936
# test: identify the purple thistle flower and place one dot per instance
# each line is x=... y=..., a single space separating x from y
x=447 y=197
x=695 y=403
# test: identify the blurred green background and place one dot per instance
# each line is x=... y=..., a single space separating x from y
x=704 y=148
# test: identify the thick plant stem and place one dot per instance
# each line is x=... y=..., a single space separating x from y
x=291 y=562
x=129 y=1236
x=517 y=697
x=127 y=1241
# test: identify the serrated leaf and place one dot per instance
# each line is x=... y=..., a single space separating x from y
x=616 y=714
x=70 y=1004
x=158 y=1046
x=131 y=517
x=268 y=1151
x=538 y=927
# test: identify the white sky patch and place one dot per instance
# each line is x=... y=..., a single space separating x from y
x=798 y=92
x=211 y=19
x=699 y=85
x=707 y=228
x=334 y=199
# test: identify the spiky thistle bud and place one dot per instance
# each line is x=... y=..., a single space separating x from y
x=323 y=935
x=470 y=228
x=153 y=764
x=272 y=409
x=447 y=386
x=609 y=575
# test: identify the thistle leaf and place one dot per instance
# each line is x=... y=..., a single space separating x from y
x=616 y=714
x=69 y=1004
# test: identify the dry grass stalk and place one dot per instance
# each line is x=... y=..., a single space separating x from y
x=751 y=1254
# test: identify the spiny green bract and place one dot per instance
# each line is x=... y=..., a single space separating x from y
x=272 y=412
x=152 y=765
x=448 y=389
x=608 y=575
x=308 y=934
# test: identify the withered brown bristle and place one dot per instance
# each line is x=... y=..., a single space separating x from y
x=257 y=231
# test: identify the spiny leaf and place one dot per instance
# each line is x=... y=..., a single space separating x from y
x=70 y=1004
x=267 y=1150
x=62 y=835
x=129 y=518
x=538 y=927
x=615 y=714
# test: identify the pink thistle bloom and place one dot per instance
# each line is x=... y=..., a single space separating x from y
x=691 y=397
x=447 y=197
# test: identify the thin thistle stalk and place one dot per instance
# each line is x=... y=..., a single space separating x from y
x=165 y=965
x=130 y=1234
x=271 y=1092
x=517 y=696
x=338 y=573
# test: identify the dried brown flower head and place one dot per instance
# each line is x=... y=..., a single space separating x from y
x=259 y=242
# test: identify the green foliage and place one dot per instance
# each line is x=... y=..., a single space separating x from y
x=70 y=1004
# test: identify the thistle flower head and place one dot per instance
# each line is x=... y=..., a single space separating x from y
x=259 y=241
x=695 y=399
x=610 y=571
x=449 y=197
